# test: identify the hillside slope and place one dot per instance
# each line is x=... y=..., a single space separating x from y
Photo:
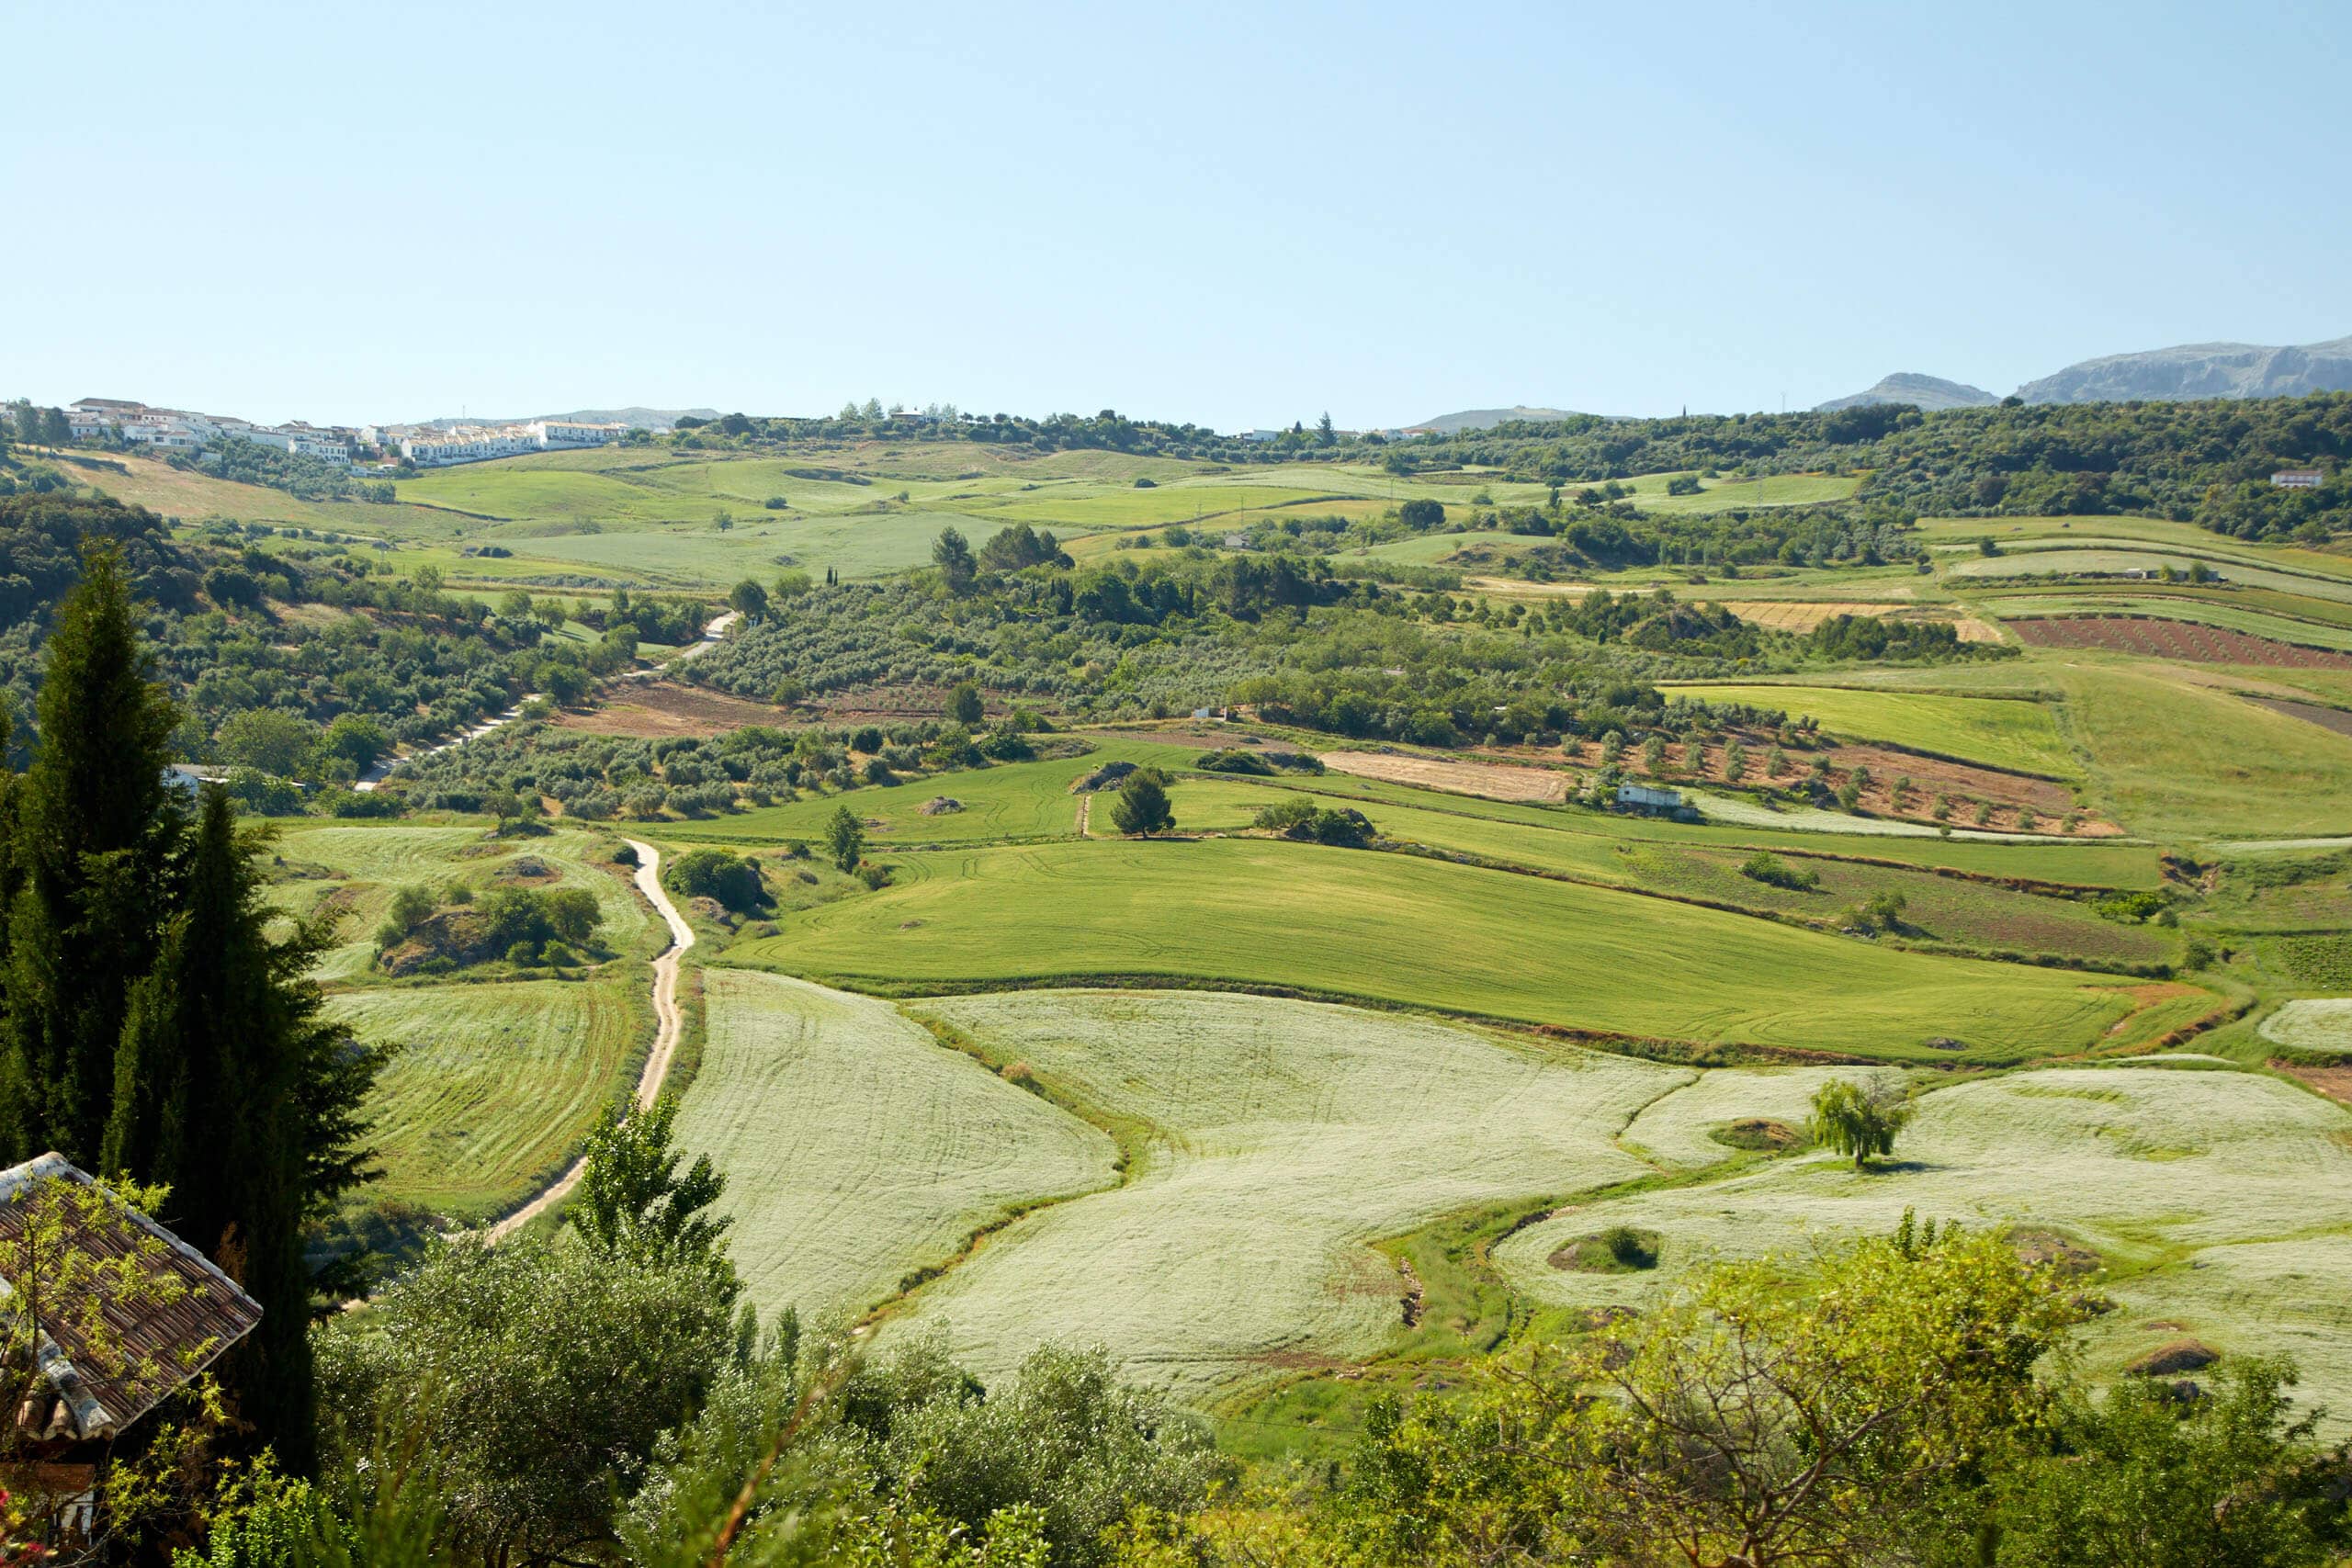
x=1486 y=419
x=2200 y=370
x=1929 y=392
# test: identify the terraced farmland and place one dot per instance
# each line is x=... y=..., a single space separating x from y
x=856 y=1148
x=1282 y=1138
x=2157 y=638
x=2201 y=1189
x=1998 y=732
x=1402 y=930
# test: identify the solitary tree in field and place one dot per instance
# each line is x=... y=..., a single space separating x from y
x=1854 y=1122
x=1141 y=807
x=964 y=705
x=845 y=836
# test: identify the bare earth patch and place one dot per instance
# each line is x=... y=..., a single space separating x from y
x=2325 y=717
x=2172 y=639
x=1493 y=780
x=2334 y=1082
x=659 y=709
x=1802 y=615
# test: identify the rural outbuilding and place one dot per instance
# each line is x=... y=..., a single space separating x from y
x=1648 y=797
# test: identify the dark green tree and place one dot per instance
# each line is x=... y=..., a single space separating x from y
x=96 y=835
x=964 y=705
x=1141 y=806
x=953 y=555
x=232 y=1088
x=845 y=836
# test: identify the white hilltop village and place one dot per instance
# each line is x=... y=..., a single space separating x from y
x=429 y=446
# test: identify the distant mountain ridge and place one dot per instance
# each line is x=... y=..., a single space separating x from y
x=652 y=419
x=2200 y=370
x=1929 y=392
x=1486 y=419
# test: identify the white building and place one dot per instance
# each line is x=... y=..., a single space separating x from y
x=467 y=444
x=2298 y=479
x=552 y=433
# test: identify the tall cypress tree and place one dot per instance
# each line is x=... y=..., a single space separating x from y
x=233 y=1088
x=96 y=831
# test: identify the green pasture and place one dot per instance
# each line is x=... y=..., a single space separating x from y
x=2201 y=1191
x=1979 y=915
x=1407 y=930
x=2090 y=862
x=491 y=1087
x=1722 y=495
x=1010 y=801
x=1280 y=1139
x=2022 y=737
x=856 y=1148
x=2181 y=761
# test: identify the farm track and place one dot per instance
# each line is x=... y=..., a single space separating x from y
x=668 y=1023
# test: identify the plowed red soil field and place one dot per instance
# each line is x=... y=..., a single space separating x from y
x=2160 y=638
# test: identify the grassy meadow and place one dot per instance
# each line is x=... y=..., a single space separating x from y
x=856 y=1148
x=1278 y=1139
x=2196 y=1189
x=1400 y=930
x=495 y=1077
x=491 y=1087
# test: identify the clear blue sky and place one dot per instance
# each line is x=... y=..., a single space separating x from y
x=1238 y=215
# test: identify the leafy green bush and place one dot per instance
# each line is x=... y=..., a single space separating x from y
x=1766 y=867
x=729 y=880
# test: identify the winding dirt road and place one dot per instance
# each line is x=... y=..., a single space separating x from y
x=668 y=1021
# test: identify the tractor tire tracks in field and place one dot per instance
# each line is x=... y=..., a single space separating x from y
x=668 y=1021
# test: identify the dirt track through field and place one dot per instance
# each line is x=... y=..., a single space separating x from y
x=668 y=1021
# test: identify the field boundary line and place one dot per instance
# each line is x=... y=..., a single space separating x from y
x=668 y=1023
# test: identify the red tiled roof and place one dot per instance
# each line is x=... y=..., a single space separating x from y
x=164 y=1340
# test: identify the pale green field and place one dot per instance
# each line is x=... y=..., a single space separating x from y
x=2205 y=1191
x=1672 y=1131
x=2312 y=1025
x=2078 y=532
x=1284 y=1138
x=2046 y=562
x=857 y=1148
x=2020 y=736
x=1400 y=928
x=492 y=1086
